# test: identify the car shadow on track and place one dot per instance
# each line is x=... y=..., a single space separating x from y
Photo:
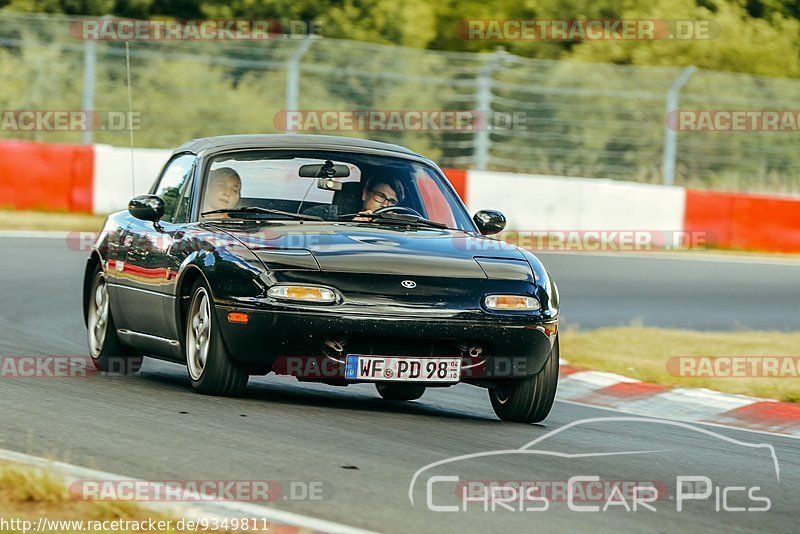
x=287 y=392
x=349 y=398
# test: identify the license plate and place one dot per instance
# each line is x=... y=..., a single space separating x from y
x=390 y=368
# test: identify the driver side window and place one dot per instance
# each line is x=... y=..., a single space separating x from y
x=175 y=176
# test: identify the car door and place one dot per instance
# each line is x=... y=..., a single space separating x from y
x=145 y=269
x=182 y=240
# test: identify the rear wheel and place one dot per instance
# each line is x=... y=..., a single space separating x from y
x=528 y=400
x=402 y=392
x=107 y=352
x=212 y=371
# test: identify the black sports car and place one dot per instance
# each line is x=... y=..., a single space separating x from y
x=329 y=259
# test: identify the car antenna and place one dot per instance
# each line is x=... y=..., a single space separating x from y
x=130 y=113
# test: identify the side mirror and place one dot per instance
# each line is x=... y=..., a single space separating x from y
x=489 y=221
x=147 y=207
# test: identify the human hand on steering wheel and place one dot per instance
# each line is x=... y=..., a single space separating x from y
x=367 y=215
x=398 y=209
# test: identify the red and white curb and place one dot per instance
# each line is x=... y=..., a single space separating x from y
x=286 y=522
x=609 y=390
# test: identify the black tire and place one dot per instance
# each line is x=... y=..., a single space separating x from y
x=400 y=392
x=108 y=353
x=528 y=400
x=212 y=371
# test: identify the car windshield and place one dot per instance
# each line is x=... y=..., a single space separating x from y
x=330 y=186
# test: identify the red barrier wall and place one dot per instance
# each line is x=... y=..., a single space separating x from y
x=60 y=177
x=458 y=177
x=44 y=176
x=745 y=221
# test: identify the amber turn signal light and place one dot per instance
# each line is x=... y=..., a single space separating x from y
x=512 y=303
x=302 y=294
x=238 y=317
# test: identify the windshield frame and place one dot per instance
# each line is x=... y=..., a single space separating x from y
x=209 y=156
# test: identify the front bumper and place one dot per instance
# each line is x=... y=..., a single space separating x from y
x=294 y=342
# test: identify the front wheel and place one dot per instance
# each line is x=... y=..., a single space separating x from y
x=401 y=392
x=528 y=400
x=211 y=369
x=107 y=351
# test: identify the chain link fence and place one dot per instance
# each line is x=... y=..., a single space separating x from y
x=590 y=120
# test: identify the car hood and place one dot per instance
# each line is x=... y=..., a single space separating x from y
x=390 y=250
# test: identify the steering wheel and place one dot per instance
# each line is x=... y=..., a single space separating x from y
x=398 y=209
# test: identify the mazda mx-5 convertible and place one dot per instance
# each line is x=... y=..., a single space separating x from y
x=329 y=259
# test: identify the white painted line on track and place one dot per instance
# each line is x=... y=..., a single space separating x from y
x=669 y=418
x=190 y=510
x=33 y=234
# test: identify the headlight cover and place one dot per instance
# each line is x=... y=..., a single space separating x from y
x=298 y=293
x=512 y=303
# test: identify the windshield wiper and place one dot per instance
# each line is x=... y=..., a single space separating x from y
x=264 y=211
x=399 y=218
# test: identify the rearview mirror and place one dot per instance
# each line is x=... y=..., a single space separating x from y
x=147 y=207
x=325 y=174
x=312 y=171
x=489 y=221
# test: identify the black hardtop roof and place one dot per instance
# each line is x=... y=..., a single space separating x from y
x=300 y=141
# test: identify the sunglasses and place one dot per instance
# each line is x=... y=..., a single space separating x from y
x=380 y=197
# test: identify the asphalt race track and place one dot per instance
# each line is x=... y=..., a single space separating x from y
x=707 y=292
x=366 y=450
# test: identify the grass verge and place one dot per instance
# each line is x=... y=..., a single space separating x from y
x=28 y=494
x=644 y=353
x=42 y=220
